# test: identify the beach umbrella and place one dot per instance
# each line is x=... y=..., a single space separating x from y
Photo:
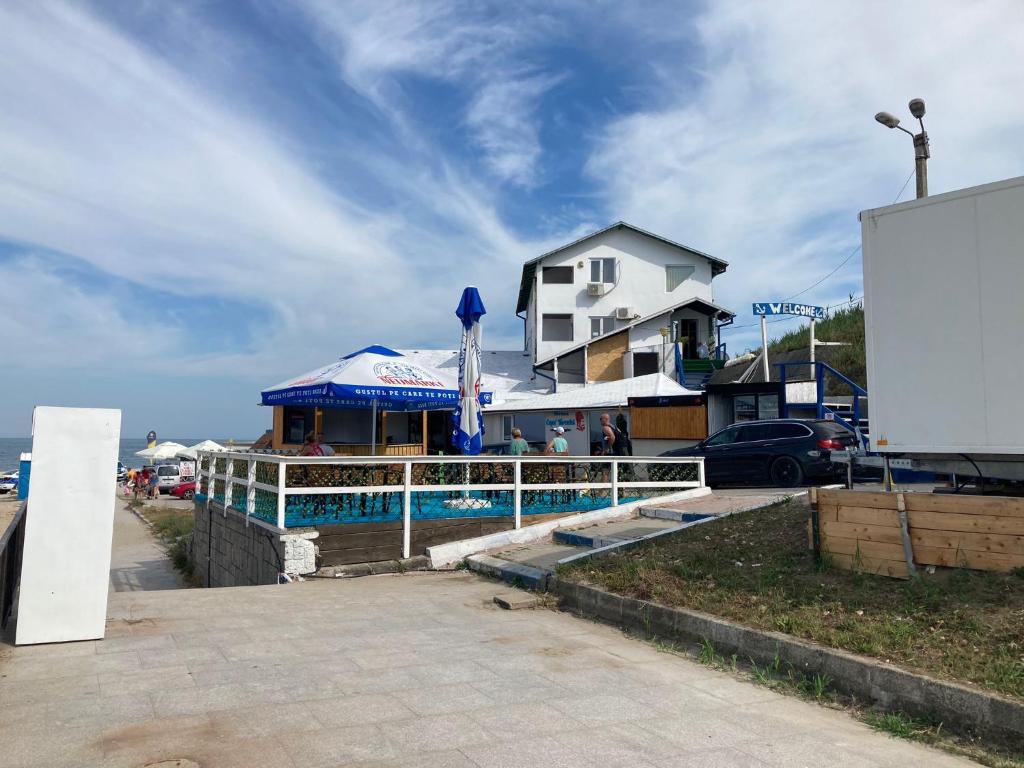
x=468 y=418
x=374 y=378
x=193 y=450
x=162 y=452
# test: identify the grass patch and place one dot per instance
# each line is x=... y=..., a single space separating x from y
x=174 y=526
x=755 y=568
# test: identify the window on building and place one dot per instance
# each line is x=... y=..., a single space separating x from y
x=556 y=328
x=599 y=326
x=755 y=407
x=645 y=363
x=676 y=275
x=557 y=275
x=506 y=427
x=602 y=270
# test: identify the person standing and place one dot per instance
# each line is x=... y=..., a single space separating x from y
x=614 y=442
x=518 y=446
x=325 y=449
x=311 y=447
x=558 y=444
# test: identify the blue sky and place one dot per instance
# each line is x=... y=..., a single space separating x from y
x=199 y=199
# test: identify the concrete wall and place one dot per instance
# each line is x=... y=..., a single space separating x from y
x=641 y=283
x=226 y=552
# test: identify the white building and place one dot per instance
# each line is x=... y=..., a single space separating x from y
x=578 y=299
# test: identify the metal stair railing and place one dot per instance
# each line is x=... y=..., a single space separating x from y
x=820 y=370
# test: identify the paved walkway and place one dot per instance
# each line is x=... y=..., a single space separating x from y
x=407 y=670
x=137 y=561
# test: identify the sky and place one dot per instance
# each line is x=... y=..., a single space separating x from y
x=202 y=198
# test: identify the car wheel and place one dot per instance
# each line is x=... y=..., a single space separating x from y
x=786 y=472
x=188 y=495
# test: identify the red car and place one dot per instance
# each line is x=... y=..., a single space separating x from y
x=184 y=490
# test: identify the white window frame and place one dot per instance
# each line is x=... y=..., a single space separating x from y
x=604 y=266
x=669 y=267
x=605 y=324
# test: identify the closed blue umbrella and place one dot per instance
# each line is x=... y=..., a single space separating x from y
x=468 y=433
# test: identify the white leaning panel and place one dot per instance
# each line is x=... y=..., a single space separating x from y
x=69 y=525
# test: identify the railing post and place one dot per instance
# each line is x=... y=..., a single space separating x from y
x=782 y=384
x=700 y=471
x=229 y=472
x=615 y=483
x=819 y=378
x=250 y=489
x=407 y=511
x=517 y=494
x=281 y=474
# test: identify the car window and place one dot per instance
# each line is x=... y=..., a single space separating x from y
x=790 y=430
x=724 y=437
x=756 y=432
x=166 y=471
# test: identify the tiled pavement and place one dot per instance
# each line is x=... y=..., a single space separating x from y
x=410 y=670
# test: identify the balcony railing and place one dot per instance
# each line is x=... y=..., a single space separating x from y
x=293 y=492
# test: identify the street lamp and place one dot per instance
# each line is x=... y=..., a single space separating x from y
x=921 y=151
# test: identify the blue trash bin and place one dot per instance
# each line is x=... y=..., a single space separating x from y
x=24 y=470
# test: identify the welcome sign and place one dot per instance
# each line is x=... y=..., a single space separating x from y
x=786 y=308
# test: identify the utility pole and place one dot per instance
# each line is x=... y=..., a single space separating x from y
x=921 y=150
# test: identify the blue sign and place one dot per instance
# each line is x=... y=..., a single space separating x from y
x=785 y=308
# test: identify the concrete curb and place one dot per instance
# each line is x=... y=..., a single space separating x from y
x=525 y=576
x=453 y=552
x=353 y=570
x=958 y=707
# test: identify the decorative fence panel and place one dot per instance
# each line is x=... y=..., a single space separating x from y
x=423 y=495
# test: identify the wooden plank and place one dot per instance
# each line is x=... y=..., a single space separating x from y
x=861 y=532
x=362 y=555
x=894 y=568
x=976 y=542
x=946 y=521
x=278 y=438
x=674 y=422
x=965 y=558
x=828 y=511
x=842 y=497
x=991 y=506
x=868 y=516
x=869 y=549
x=604 y=357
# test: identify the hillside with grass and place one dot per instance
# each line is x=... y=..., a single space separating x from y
x=845 y=325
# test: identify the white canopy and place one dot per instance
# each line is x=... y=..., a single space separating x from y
x=192 y=451
x=168 y=450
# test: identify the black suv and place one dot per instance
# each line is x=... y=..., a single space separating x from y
x=783 y=452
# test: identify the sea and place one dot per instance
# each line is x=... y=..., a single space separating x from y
x=11 y=449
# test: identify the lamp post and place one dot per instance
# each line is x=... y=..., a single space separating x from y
x=921 y=151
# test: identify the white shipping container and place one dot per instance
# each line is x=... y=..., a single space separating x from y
x=944 y=314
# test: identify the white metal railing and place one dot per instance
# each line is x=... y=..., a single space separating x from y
x=453 y=486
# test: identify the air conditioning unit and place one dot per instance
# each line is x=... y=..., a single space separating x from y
x=595 y=289
x=623 y=313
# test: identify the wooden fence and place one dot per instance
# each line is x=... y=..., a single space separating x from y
x=861 y=530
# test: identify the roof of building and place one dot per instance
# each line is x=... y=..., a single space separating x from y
x=507 y=374
x=611 y=394
x=752 y=372
x=718 y=266
x=706 y=305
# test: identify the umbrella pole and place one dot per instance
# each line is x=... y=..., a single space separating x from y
x=373 y=430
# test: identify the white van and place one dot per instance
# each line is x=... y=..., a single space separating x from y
x=168 y=476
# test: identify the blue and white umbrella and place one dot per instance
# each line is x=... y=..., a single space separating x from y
x=375 y=378
x=468 y=417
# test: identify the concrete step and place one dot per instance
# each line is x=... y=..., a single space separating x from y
x=676 y=515
x=607 y=534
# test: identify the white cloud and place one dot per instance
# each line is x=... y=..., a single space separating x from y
x=472 y=46
x=113 y=158
x=768 y=160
